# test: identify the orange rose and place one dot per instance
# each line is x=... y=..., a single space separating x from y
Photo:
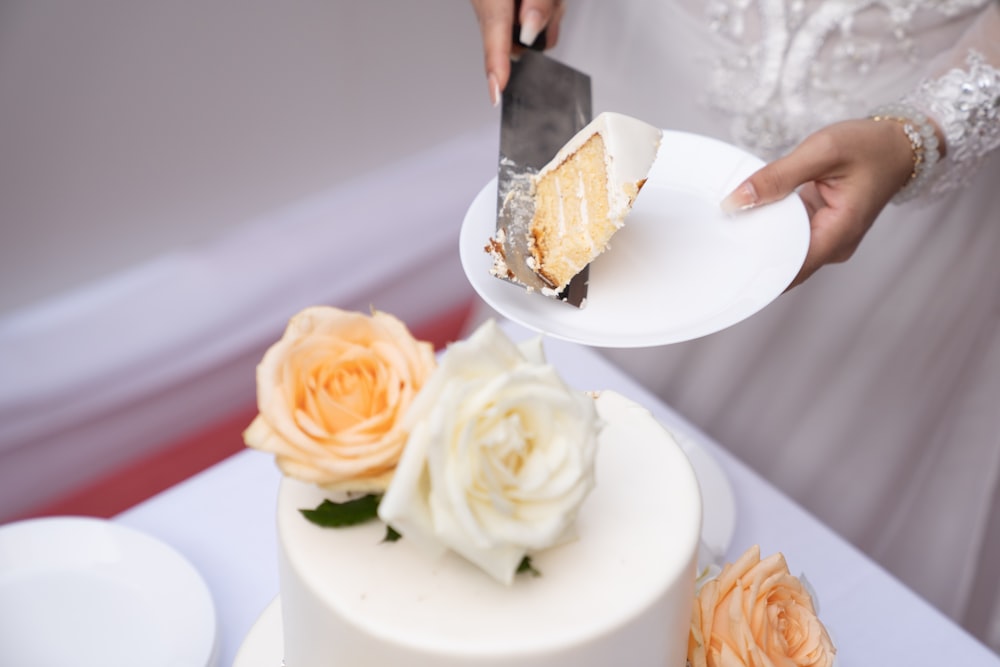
x=756 y=614
x=331 y=396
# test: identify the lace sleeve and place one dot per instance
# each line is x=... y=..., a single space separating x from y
x=963 y=97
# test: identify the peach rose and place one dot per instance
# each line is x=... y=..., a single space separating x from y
x=756 y=614
x=331 y=394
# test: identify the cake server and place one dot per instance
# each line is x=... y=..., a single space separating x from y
x=544 y=105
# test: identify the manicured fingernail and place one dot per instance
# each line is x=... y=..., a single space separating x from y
x=742 y=198
x=494 y=85
x=530 y=27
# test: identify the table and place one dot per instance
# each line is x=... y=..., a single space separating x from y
x=223 y=521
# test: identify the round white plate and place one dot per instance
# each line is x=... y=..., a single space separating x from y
x=264 y=644
x=679 y=269
x=91 y=593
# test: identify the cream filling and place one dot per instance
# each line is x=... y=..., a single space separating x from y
x=581 y=193
x=561 y=218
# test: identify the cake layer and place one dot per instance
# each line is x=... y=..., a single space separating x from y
x=620 y=593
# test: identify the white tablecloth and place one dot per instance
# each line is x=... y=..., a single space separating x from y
x=223 y=520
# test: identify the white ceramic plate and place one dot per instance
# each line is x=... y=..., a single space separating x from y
x=264 y=644
x=91 y=593
x=679 y=269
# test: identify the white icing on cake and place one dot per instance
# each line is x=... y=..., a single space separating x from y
x=620 y=594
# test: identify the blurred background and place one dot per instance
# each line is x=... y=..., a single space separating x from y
x=177 y=179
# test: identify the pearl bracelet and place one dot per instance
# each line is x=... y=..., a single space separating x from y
x=923 y=141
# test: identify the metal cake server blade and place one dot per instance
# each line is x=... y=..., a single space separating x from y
x=544 y=105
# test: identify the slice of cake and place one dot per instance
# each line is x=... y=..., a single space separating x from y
x=581 y=197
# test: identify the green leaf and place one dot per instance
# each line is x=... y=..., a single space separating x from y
x=526 y=566
x=390 y=534
x=350 y=513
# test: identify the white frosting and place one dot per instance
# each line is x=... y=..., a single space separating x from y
x=620 y=594
x=630 y=146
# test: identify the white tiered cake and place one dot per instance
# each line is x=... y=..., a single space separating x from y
x=620 y=594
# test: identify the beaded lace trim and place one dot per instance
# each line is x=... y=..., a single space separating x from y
x=966 y=105
x=779 y=88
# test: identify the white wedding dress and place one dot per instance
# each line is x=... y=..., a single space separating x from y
x=870 y=394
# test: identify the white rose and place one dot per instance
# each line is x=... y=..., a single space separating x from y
x=500 y=455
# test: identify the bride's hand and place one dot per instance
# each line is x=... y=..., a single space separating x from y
x=496 y=23
x=845 y=173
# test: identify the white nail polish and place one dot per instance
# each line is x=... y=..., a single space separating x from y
x=531 y=27
x=494 y=90
x=742 y=198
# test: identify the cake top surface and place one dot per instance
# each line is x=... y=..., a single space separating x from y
x=637 y=533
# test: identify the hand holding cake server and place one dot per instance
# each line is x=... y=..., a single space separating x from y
x=845 y=173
